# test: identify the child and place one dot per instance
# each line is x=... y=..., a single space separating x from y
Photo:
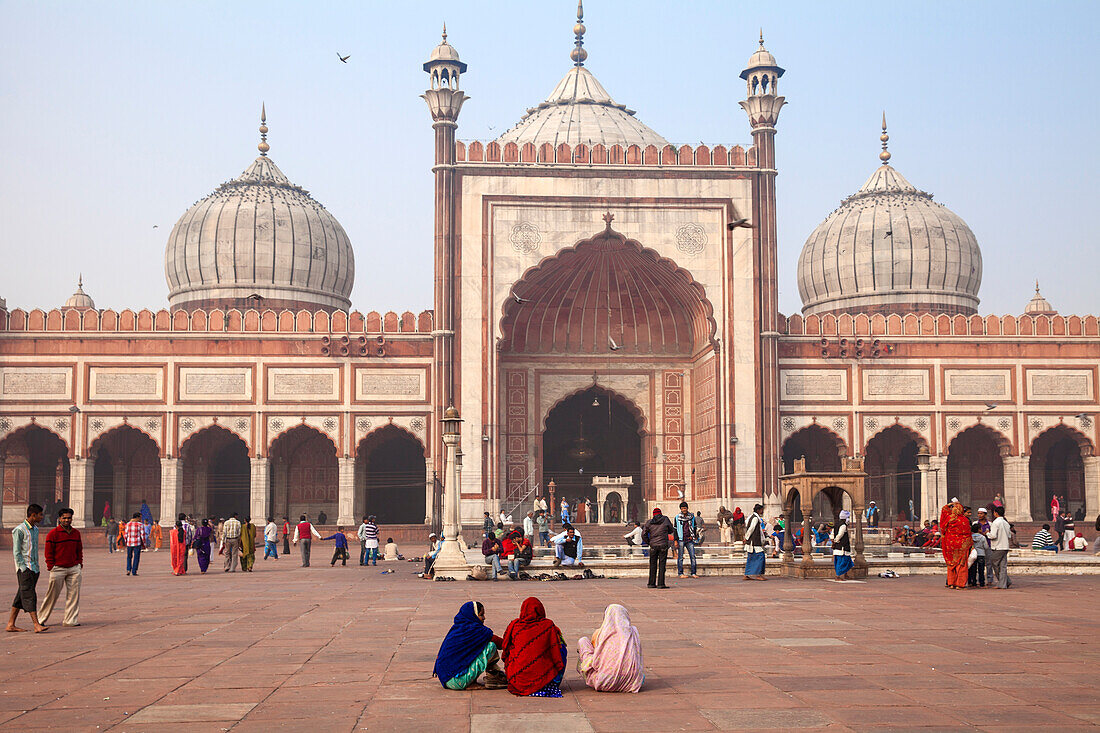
x=391 y=552
x=977 y=568
x=341 y=551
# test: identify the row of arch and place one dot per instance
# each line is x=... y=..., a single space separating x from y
x=975 y=466
x=390 y=473
x=943 y=324
x=233 y=320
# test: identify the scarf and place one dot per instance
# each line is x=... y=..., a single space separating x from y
x=612 y=660
x=532 y=650
x=462 y=644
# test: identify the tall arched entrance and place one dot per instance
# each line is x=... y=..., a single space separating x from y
x=36 y=471
x=975 y=466
x=1057 y=466
x=893 y=479
x=609 y=316
x=821 y=448
x=592 y=433
x=305 y=477
x=126 y=473
x=216 y=474
x=391 y=476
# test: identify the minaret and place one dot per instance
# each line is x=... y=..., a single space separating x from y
x=762 y=106
x=445 y=98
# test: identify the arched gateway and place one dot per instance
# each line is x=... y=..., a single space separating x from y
x=602 y=347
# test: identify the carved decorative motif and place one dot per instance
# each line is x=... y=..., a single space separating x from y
x=1036 y=423
x=525 y=237
x=871 y=423
x=152 y=425
x=5 y=424
x=1004 y=423
x=691 y=239
x=276 y=424
x=954 y=424
x=1085 y=421
x=97 y=425
x=364 y=425
x=921 y=423
x=839 y=424
x=788 y=424
x=241 y=424
x=329 y=423
x=417 y=424
x=187 y=425
x=60 y=424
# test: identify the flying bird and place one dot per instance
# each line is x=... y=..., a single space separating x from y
x=990 y=406
x=154 y=226
x=739 y=223
x=517 y=298
x=343 y=58
x=612 y=345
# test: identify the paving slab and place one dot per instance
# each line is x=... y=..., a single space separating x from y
x=291 y=648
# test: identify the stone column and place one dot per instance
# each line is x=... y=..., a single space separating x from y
x=119 y=506
x=359 y=506
x=345 y=509
x=1092 y=485
x=451 y=562
x=933 y=493
x=429 y=491
x=171 y=491
x=259 y=489
x=1017 y=494
x=81 y=475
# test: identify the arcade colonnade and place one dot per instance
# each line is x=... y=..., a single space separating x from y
x=977 y=464
x=216 y=473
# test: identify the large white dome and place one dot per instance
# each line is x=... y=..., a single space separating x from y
x=259 y=241
x=889 y=248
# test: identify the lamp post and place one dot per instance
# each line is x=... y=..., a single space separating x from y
x=451 y=562
x=552 y=487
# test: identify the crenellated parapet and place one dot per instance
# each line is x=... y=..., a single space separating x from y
x=217 y=321
x=595 y=155
x=942 y=324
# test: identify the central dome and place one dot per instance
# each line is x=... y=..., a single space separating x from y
x=889 y=248
x=259 y=241
x=580 y=110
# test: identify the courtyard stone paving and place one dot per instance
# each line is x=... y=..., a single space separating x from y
x=342 y=649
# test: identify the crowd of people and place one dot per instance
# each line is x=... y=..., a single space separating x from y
x=530 y=659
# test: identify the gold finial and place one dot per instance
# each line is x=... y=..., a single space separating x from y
x=761 y=38
x=263 y=146
x=1036 y=286
x=578 y=54
x=884 y=156
x=80 y=283
x=444 y=31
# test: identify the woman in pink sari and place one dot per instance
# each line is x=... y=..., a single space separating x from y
x=611 y=661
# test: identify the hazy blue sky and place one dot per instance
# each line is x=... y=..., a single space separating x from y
x=115 y=117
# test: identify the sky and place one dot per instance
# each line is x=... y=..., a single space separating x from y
x=116 y=117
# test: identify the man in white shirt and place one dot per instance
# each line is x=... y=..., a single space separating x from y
x=271 y=537
x=529 y=525
x=568 y=548
x=540 y=504
x=999 y=534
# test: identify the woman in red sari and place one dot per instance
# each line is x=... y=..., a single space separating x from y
x=534 y=653
x=956 y=543
x=178 y=538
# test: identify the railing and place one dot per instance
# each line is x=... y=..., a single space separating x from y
x=511 y=496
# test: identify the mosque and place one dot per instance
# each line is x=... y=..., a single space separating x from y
x=605 y=319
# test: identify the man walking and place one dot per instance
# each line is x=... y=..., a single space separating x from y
x=133 y=534
x=112 y=534
x=24 y=544
x=304 y=533
x=754 y=545
x=64 y=560
x=687 y=533
x=999 y=534
x=271 y=538
x=658 y=533
x=529 y=525
x=231 y=543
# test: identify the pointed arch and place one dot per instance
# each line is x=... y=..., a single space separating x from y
x=822 y=448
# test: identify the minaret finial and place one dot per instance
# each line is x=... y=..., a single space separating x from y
x=761 y=38
x=884 y=156
x=263 y=147
x=80 y=282
x=1036 y=286
x=578 y=54
x=444 y=31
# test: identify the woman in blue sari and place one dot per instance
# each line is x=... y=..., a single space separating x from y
x=469 y=649
x=202 y=545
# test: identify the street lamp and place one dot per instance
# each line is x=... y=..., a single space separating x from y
x=451 y=562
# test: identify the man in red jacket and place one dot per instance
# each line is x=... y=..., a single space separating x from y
x=64 y=559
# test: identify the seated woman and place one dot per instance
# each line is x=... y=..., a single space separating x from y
x=468 y=650
x=611 y=661
x=534 y=653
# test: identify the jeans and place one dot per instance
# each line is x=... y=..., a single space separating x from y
x=494 y=561
x=340 y=553
x=513 y=567
x=133 y=557
x=565 y=559
x=270 y=550
x=112 y=540
x=305 y=551
x=690 y=546
x=976 y=576
x=362 y=552
x=544 y=538
x=658 y=558
x=371 y=557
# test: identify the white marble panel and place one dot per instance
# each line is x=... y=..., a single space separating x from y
x=113 y=383
x=977 y=384
x=816 y=385
x=205 y=384
x=26 y=383
x=1060 y=384
x=390 y=385
x=290 y=384
x=895 y=384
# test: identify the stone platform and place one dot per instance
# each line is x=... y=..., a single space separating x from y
x=351 y=649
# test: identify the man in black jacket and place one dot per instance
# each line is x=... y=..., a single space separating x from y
x=658 y=533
